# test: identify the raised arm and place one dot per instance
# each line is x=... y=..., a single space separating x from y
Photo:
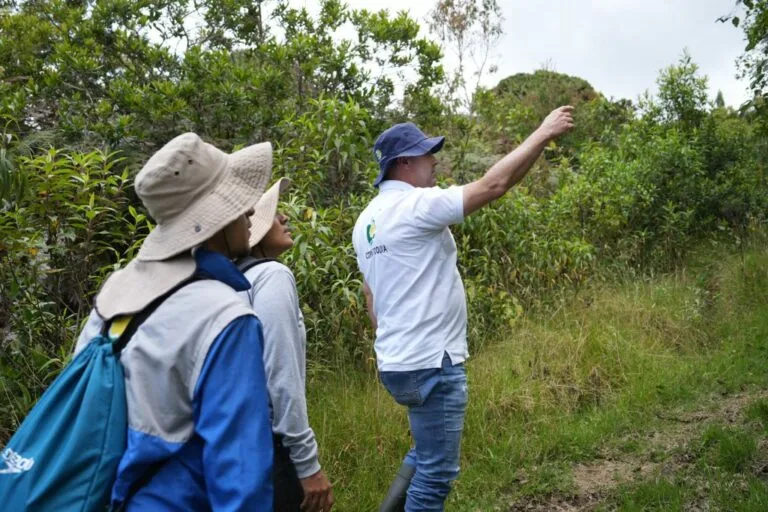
x=508 y=171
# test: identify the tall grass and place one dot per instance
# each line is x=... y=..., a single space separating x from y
x=556 y=387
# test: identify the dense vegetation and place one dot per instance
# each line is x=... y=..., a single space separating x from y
x=89 y=89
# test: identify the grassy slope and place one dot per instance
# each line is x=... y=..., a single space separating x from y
x=556 y=390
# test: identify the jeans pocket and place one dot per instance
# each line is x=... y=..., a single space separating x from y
x=408 y=388
x=408 y=398
x=402 y=388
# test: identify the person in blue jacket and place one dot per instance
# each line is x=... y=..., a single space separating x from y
x=200 y=436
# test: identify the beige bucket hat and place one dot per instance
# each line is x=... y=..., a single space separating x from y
x=265 y=210
x=192 y=190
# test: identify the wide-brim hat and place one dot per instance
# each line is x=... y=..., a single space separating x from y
x=193 y=190
x=265 y=210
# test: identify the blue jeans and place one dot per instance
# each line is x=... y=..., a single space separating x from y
x=437 y=400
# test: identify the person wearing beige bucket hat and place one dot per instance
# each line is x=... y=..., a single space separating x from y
x=300 y=483
x=199 y=434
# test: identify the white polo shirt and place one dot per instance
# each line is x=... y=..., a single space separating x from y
x=407 y=256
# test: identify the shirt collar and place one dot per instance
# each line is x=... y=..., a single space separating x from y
x=394 y=185
x=214 y=265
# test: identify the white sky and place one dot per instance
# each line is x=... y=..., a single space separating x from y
x=619 y=46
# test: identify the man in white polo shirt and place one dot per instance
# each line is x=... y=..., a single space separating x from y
x=415 y=296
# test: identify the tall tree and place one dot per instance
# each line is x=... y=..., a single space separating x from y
x=683 y=93
x=754 y=22
x=472 y=28
x=129 y=74
x=719 y=100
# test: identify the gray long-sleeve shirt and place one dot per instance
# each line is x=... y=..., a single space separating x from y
x=275 y=300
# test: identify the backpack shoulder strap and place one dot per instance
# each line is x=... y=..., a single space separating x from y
x=126 y=326
x=246 y=263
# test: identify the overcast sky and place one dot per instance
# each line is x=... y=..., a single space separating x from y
x=619 y=46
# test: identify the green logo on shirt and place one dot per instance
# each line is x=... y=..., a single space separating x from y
x=370 y=231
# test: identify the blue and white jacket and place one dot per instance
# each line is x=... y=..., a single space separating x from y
x=197 y=399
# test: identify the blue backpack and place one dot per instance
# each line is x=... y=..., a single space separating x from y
x=64 y=456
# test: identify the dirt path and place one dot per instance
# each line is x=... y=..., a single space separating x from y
x=663 y=451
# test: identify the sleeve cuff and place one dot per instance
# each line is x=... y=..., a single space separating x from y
x=458 y=202
x=307 y=468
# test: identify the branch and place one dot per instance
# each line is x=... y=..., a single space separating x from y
x=16 y=79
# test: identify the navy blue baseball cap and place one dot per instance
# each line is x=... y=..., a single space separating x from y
x=401 y=140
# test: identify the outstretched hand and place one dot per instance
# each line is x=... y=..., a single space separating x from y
x=558 y=122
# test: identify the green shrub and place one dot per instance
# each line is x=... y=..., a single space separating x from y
x=58 y=240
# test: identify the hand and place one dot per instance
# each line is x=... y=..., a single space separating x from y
x=558 y=122
x=318 y=493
